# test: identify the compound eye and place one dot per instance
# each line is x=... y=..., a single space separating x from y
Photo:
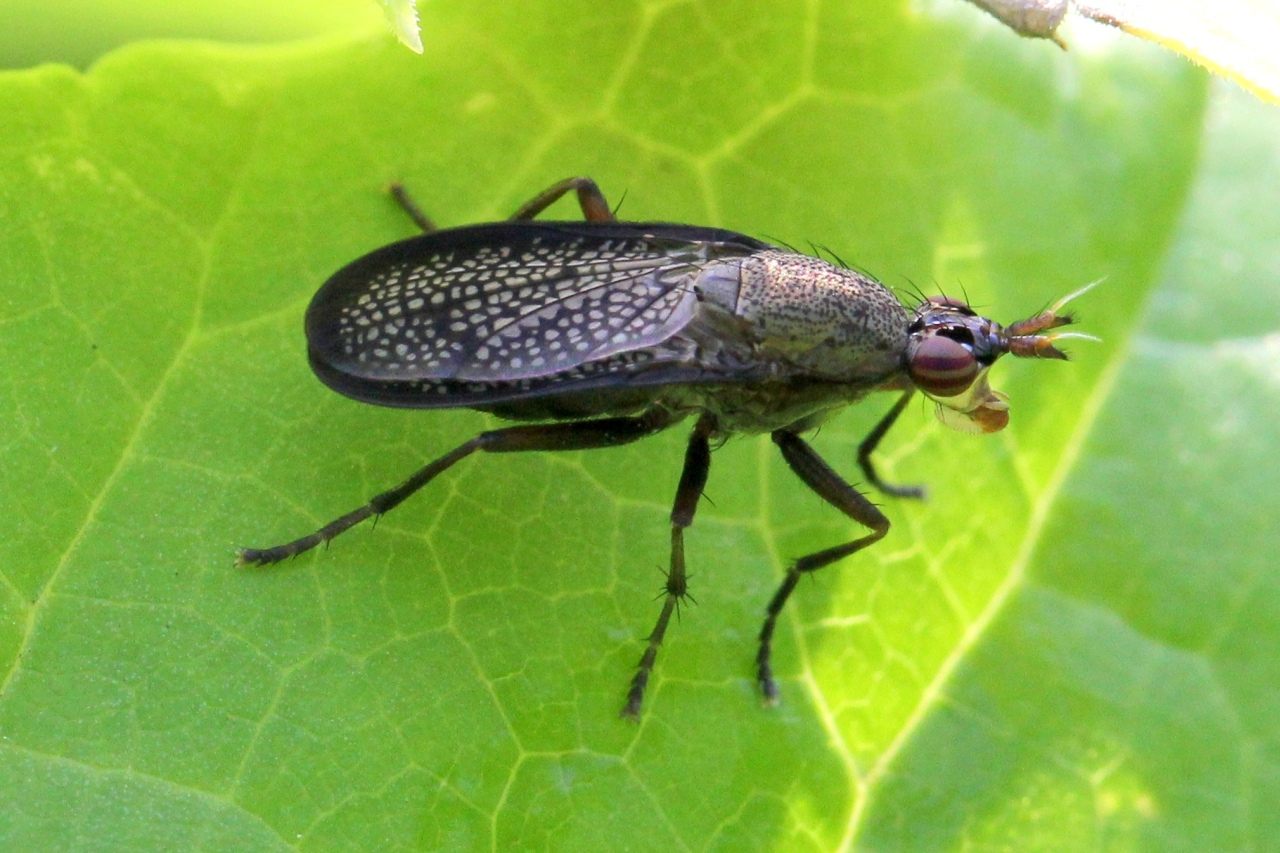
x=942 y=367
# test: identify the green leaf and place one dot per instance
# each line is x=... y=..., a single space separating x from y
x=79 y=31
x=1125 y=695
x=1065 y=647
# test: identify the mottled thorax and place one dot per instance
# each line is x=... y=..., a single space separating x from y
x=829 y=321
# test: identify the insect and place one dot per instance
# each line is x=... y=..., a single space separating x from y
x=599 y=333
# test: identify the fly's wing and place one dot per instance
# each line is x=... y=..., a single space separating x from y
x=491 y=312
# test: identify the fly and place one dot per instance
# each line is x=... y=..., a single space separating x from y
x=600 y=333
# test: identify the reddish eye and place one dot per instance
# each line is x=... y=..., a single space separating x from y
x=942 y=367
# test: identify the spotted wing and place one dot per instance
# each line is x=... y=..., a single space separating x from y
x=460 y=315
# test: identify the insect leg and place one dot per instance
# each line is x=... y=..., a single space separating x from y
x=577 y=435
x=409 y=206
x=872 y=441
x=697 y=462
x=592 y=201
x=817 y=475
